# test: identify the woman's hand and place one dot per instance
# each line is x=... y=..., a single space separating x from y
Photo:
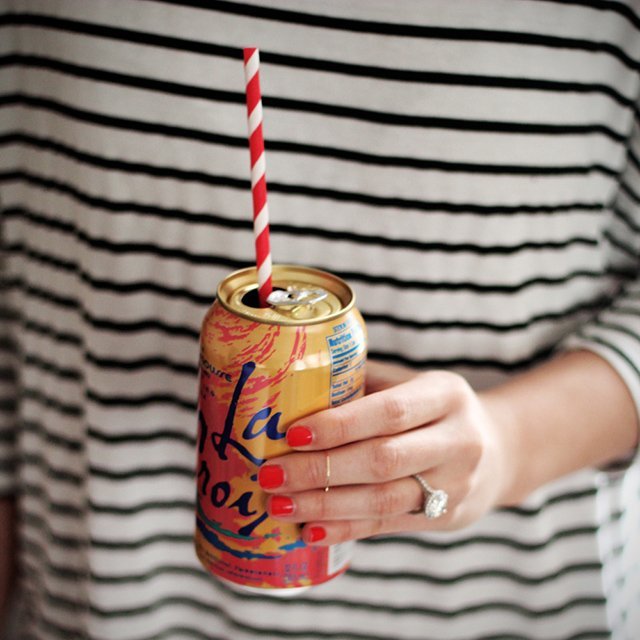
x=432 y=424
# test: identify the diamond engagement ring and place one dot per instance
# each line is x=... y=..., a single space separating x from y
x=435 y=500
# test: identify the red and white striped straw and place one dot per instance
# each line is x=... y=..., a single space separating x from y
x=258 y=178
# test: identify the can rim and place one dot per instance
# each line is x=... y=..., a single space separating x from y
x=334 y=284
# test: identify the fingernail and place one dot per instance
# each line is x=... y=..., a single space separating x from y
x=271 y=477
x=299 y=436
x=281 y=506
x=316 y=534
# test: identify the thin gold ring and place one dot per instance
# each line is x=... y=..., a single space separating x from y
x=327 y=473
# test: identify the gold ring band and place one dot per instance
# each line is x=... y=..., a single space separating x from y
x=327 y=473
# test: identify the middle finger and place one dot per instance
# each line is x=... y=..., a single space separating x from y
x=372 y=461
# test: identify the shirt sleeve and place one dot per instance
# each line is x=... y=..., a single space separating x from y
x=8 y=384
x=614 y=333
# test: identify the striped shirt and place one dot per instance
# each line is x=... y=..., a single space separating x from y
x=471 y=168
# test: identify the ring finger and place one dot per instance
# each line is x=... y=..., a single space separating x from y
x=398 y=497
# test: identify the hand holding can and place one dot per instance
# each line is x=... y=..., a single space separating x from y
x=261 y=369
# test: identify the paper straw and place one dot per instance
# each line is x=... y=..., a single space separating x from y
x=258 y=178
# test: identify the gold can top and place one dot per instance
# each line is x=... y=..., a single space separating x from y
x=301 y=295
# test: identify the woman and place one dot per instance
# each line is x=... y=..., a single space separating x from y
x=470 y=168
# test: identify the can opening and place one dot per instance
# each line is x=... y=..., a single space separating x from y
x=250 y=299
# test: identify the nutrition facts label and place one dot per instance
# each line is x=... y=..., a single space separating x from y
x=347 y=351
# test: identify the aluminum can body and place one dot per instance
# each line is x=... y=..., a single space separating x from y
x=261 y=370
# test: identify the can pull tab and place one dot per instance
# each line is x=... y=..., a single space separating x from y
x=292 y=297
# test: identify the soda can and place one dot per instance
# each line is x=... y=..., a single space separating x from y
x=261 y=369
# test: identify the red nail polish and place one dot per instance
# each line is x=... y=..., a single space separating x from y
x=299 y=436
x=316 y=534
x=281 y=506
x=271 y=477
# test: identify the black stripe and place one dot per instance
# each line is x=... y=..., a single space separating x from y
x=614 y=327
x=407 y=30
x=428 y=611
x=290 y=104
x=315 y=192
x=42 y=398
x=355 y=574
x=133 y=437
x=453 y=362
x=8 y=374
x=621 y=310
x=8 y=406
x=117 y=364
x=114 y=544
x=54 y=473
x=429 y=545
x=629 y=191
x=570 y=496
x=633 y=225
x=482 y=574
x=606 y=6
x=286 y=229
x=50 y=505
x=8 y=343
x=104 y=285
x=63 y=441
x=207 y=48
x=192 y=258
x=482 y=325
x=542 y=354
x=65 y=373
x=43 y=622
x=474 y=286
x=142 y=472
x=210 y=260
x=307 y=149
x=454 y=124
x=140 y=401
x=520 y=545
x=9 y=465
x=142 y=363
x=621 y=245
x=172 y=632
x=163 y=505
x=122 y=326
x=52 y=537
x=6 y=315
x=46 y=295
x=58 y=336
x=27 y=139
x=139 y=326
x=347 y=635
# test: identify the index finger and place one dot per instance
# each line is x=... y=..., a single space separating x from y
x=419 y=401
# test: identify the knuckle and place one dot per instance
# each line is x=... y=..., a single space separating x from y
x=395 y=411
x=473 y=450
x=377 y=527
x=318 y=508
x=346 y=531
x=341 y=427
x=386 y=500
x=315 y=471
x=386 y=459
